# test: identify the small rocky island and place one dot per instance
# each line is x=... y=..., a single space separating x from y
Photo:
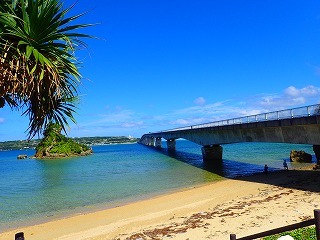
x=56 y=145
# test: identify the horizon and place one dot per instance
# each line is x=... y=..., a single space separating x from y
x=170 y=64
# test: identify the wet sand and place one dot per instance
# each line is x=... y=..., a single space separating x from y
x=242 y=206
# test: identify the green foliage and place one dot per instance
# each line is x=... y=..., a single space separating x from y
x=56 y=144
x=52 y=129
x=38 y=39
x=308 y=233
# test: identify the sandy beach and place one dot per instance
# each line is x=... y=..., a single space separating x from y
x=242 y=206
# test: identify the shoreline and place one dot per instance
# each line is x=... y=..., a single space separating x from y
x=84 y=210
x=244 y=205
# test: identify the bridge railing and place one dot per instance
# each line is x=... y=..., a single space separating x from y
x=276 y=115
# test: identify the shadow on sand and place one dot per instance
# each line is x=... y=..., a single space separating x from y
x=302 y=179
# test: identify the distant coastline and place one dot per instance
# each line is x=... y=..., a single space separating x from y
x=91 y=141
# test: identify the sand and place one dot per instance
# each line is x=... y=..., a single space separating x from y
x=241 y=206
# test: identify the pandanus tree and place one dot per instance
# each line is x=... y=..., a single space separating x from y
x=39 y=71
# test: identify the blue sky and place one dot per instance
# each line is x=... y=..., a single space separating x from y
x=157 y=65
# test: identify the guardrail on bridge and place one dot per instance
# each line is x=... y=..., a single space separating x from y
x=275 y=115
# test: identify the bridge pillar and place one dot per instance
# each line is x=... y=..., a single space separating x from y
x=171 y=144
x=316 y=149
x=158 y=142
x=211 y=152
x=150 y=141
x=145 y=141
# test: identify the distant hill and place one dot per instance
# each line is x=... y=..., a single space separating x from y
x=31 y=144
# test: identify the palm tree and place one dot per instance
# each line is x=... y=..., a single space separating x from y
x=38 y=69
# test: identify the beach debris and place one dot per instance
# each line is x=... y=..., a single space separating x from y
x=218 y=217
x=300 y=156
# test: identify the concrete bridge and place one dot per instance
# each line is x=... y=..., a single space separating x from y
x=297 y=125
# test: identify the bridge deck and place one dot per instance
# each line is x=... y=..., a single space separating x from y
x=301 y=128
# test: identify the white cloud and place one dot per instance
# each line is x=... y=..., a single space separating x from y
x=190 y=121
x=292 y=91
x=117 y=119
x=114 y=121
x=303 y=92
x=310 y=91
x=132 y=124
x=206 y=109
x=249 y=112
x=112 y=117
x=2 y=120
x=200 y=101
x=291 y=97
x=182 y=122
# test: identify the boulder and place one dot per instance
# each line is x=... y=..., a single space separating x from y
x=23 y=156
x=300 y=156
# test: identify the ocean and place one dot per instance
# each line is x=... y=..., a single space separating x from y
x=33 y=191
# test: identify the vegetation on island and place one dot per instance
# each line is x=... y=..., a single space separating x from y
x=54 y=144
x=19 y=144
x=106 y=140
x=39 y=69
x=90 y=141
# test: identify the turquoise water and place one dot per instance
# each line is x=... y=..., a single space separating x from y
x=40 y=190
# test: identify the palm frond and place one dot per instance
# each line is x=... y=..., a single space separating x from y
x=38 y=69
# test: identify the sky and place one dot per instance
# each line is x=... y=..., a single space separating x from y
x=157 y=65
